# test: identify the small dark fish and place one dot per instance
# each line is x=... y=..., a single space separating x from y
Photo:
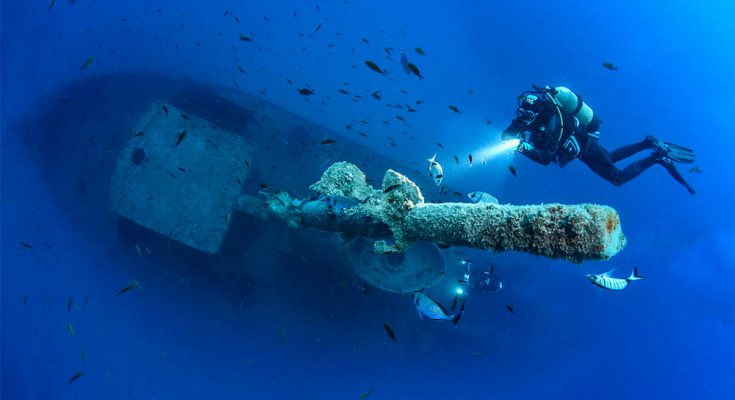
x=239 y=68
x=391 y=188
x=165 y=110
x=246 y=38
x=343 y=91
x=420 y=51
x=182 y=135
x=86 y=300
x=488 y=122
x=68 y=304
x=455 y=109
x=510 y=309
x=184 y=116
x=25 y=299
x=363 y=134
x=51 y=5
x=86 y=64
x=265 y=17
x=415 y=70
x=368 y=393
x=512 y=170
x=456 y=159
x=27 y=246
x=455 y=302
x=469 y=158
x=71 y=330
x=696 y=170
x=328 y=141
x=376 y=95
x=75 y=376
x=398 y=117
x=139 y=133
x=317 y=28
x=374 y=67
x=419 y=102
x=390 y=332
x=470 y=91
x=609 y=66
x=237 y=20
x=264 y=186
x=365 y=41
x=388 y=50
x=440 y=145
x=306 y=92
x=132 y=286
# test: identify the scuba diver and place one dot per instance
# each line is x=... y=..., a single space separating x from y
x=479 y=281
x=555 y=125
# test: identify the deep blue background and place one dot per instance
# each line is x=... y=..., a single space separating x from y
x=671 y=335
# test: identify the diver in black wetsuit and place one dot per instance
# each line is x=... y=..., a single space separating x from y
x=561 y=127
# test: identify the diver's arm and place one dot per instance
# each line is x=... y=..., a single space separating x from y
x=514 y=130
x=535 y=155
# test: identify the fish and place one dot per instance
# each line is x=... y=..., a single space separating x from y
x=433 y=310
x=264 y=186
x=317 y=28
x=75 y=376
x=328 y=141
x=376 y=95
x=184 y=116
x=696 y=170
x=404 y=62
x=51 y=5
x=374 y=67
x=609 y=66
x=182 y=135
x=455 y=302
x=455 y=108
x=366 y=394
x=363 y=134
x=365 y=41
x=86 y=64
x=469 y=158
x=339 y=203
x=389 y=331
x=509 y=308
x=165 y=110
x=246 y=38
x=415 y=70
x=131 y=286
x=512 y=170
x=306 y=92
x=71 y=330
x=440 y=145
x=488 y=121
x=456 y=159
x=25 y=300
x=420 y=51
x=27 y=246
x=482 y=197
x=606 y=282
x=435 y=170
x=68 y=304
x=391 y=188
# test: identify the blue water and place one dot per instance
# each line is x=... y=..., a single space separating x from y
x=279 y=316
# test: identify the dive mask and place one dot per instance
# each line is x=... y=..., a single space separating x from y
x=527 y=116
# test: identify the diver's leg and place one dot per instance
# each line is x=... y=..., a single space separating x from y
x=600 y=162
x=671 y=169
x=626 y=151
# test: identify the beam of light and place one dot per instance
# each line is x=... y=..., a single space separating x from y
x=494 y=150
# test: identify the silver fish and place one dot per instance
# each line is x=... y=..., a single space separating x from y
x=435 y=170
x=339 y=203
x=482 y=197
x=606 y=282
x=433 y=310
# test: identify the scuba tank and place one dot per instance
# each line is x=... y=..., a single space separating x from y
x=571 y=103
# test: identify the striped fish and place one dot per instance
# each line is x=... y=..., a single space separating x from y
x=606 y=282
x=435 y=170
x=482 y=197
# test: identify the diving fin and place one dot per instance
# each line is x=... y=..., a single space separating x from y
x=672 y=151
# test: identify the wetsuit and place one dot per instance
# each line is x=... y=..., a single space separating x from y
x=557 y=137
